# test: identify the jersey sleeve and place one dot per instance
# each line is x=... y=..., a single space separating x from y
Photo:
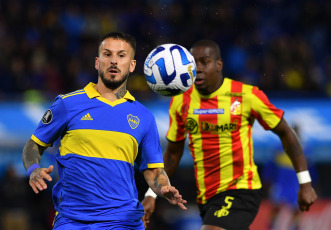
x=150 y=153
x=176 y=131
x=52 y=124
x=264 y=111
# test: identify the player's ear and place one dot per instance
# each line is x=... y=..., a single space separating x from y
x=132 y=65
x=219 y=65
x=96 y=65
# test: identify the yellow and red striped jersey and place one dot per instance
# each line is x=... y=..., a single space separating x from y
x=219 y=128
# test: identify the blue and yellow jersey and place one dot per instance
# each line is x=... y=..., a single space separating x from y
x=100 y=141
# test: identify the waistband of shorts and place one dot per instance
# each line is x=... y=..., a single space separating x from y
x=236 y=192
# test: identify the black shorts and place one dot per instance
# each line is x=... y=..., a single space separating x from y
x=232 y=209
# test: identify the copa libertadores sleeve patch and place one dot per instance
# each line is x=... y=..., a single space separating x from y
x=47 y=117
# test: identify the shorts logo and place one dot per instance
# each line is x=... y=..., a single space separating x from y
x=47 y=117
x=224 y=211
x=133 y=121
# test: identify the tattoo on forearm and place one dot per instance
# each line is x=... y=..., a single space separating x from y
x=120 y=94
x=160 y=179
x=35 y=175
x=31 y=154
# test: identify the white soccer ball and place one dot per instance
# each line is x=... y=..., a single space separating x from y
x=170 y=69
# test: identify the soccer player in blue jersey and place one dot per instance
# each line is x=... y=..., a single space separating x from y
x=103 y=132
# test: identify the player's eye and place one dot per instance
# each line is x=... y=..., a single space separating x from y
x=121 y=55
x=204 y=62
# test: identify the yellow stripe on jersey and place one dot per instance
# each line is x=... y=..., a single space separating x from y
x=39 y=142
x=175 y=125
x=225 y=143
x=245 y=139
x=198 y=153
x=81 y=91
x=96 y=143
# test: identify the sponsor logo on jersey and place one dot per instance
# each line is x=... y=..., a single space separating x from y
x=133 y=121
x=208 y=111
x=216 y=128
x=87 y=117
x=192 y=126
x=47 y=117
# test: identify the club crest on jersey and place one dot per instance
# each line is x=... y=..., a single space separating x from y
x=236 y=108
x=133 y=121
x=47 y=117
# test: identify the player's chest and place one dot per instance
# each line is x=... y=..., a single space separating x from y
x=122 y=120
x=214 y=115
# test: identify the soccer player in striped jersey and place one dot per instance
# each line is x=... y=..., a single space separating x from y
x=218 y=114
x=103 y=133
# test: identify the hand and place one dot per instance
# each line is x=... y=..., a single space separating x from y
x=306 y=196
x=37 y=178
x=173 y=196
x=149 y=207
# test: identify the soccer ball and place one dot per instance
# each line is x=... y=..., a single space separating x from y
x=170 y=69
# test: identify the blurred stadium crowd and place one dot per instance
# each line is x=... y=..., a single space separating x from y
x=278 y=45
x=48 y=48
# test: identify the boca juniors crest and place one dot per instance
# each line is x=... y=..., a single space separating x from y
x=133 y=121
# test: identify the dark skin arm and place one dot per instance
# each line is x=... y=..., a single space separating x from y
x=171 y=158
x=293 y=149
x=32 y=155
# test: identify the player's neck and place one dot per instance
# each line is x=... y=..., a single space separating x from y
x=110 y=94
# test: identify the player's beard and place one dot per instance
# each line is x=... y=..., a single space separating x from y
x=113 y=84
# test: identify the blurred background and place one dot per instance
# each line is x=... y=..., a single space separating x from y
x=284 y=47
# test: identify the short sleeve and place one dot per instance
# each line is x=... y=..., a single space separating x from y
x=52 y=124
x=176 y=131
x=264 y=111
x=150 y=153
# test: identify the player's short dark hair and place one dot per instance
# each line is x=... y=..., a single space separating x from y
x=122 y=36
x=211 y=44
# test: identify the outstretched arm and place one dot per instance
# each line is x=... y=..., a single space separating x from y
x=31 y=158
x=158 y=181
x=292 y=147
x=171 y=158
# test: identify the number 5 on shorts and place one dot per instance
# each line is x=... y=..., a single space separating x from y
x=224 y=211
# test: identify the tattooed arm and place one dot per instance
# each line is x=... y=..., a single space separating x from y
x=31 y=155
x=158 y=181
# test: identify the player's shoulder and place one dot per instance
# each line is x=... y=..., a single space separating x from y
x=139 y=107
x=72 y=96
x=179 y=99
x=246 y=88
x=238 y=84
